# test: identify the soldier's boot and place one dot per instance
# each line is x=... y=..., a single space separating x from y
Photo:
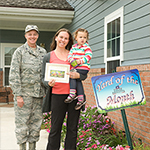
x=32 y=146
x=22 y=146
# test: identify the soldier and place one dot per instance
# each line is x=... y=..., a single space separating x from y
x=25 y=81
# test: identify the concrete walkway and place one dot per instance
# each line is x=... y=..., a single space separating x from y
x=7 y=131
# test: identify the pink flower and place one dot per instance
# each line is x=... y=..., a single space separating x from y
x=81 y=136
x=48 y=130
x=102 y=146
x=93 y=146
x=127 y=147
x=98 y=143
x=119 y=147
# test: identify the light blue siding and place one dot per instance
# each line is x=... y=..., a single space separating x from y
x=90 y=14
x=137 y=34
x=136 y=24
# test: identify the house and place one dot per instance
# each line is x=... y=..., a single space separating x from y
x=119 y=37
x=120 y=40
x=48 y=15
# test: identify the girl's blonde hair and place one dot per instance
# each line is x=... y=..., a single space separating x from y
x=80 y=30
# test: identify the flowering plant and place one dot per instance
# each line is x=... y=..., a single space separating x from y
x=94 y=131
x=87 y=139
x=138 y=145
x=100 y=124
x=64 y=129
x=118 y=147
x=97 y=129
x=47 y=121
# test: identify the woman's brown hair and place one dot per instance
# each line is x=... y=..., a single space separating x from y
x=70 y=43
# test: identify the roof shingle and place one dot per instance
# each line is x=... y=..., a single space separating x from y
x=40 y=4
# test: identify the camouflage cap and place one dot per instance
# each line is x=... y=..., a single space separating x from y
x=31 y=27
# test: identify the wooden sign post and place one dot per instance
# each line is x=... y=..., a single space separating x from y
x=117 y=91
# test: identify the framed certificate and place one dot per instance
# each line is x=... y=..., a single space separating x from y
x=57 y=72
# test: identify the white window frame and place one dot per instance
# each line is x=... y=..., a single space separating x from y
x=2 y=56
x=116 y=14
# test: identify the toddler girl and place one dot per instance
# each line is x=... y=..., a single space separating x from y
x=79 y=58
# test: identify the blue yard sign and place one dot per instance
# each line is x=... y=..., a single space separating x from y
x=118 y=90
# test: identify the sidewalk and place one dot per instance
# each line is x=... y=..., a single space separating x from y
x=7 y=131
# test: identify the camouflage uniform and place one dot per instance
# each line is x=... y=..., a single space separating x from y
x=25 y=81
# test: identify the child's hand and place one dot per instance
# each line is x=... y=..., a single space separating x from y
x=71 y=60
x=78 y=61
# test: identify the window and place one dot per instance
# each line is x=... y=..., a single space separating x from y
x=6 y=51
x=113 y=42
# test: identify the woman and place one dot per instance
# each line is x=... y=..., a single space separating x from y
x=61 y=44
x=25 y=81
